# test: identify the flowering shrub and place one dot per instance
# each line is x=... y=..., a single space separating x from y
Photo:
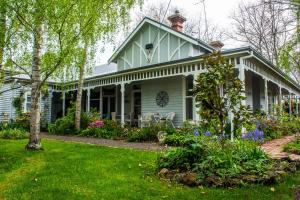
x=103 y=129
x=256 y=136
x=96 y=124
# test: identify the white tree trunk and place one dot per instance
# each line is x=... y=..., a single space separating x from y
x=79 y=91
x=35 y=115
x=2 y=33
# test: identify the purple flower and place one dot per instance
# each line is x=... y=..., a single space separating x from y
x=256 y=136
x=208 y=134
x=196 y=133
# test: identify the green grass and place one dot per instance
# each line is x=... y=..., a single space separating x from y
x=68 y=170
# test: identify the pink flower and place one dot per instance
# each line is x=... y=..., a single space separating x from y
x=96 y=124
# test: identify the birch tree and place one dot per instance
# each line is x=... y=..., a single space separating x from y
x=106 y=17
x=44 y=39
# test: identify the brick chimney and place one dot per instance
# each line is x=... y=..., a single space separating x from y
x=217 y=45
x=177 y=21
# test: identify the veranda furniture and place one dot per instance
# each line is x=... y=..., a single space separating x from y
x=169 y=118
x=146 y=119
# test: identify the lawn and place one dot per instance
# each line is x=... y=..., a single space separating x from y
x=68 y=170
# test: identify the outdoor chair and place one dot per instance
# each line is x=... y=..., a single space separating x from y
x=146 y=120
x=170 y=118
x=113 y=116
x=129 y=119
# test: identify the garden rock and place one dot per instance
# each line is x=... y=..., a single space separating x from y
x=294 y=157
x=249 y=178
x=161 y=136
x=213 y=180
x=190 y=178
x=163 y=172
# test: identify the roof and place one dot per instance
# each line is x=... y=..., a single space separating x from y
x=206 y=47
x=103 y=69
x=246 y=50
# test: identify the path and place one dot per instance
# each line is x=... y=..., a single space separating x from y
x=148 y=146
x=275 y=148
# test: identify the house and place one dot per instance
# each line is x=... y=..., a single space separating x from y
x=153 y=71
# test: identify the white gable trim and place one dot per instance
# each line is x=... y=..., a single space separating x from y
x=163 y=27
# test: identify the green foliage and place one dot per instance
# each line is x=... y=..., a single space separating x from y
x=18 y=103
x=88 y=117
x=64 y=125
x=13 y=133
x=293 y=147
x=23 y=121
x=148 y=133
x=208 y=158
x=289 y=58
x=219 y=92
x=181 y=140
x=110 y=130
x=276 y=128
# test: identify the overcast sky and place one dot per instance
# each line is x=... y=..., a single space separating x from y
x=217 y=11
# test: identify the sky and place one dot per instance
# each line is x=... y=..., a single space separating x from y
x=217 y=11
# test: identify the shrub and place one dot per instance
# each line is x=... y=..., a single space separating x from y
x=66 y=124
x=13 y=133
x=103 y=129
x=23 y=121
x=275 y=128
x=62 y=126
x=180 y=140
x=209 y=158
x=148 y=133
x=88 y=117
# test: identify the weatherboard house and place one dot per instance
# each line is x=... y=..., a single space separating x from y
x=153 y=71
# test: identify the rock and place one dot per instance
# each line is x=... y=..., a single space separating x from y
x=187 y=178
x=190 y=179
x=280 y=172
x=249 y=178
x=163 y=172
x=213 y=180
x=178 y=177
x=161 y=136
x=294 y=157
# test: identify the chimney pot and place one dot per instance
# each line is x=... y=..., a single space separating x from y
x=217 y=45
x=177 y=21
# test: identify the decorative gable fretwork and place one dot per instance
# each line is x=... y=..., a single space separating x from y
x=153 y=45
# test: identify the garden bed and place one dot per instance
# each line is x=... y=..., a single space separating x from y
x=205 y=161
x=293 y=147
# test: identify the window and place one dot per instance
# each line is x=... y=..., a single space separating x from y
x=189 y=97
x=27 y=103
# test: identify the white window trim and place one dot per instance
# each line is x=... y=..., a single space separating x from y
x=25 y=102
